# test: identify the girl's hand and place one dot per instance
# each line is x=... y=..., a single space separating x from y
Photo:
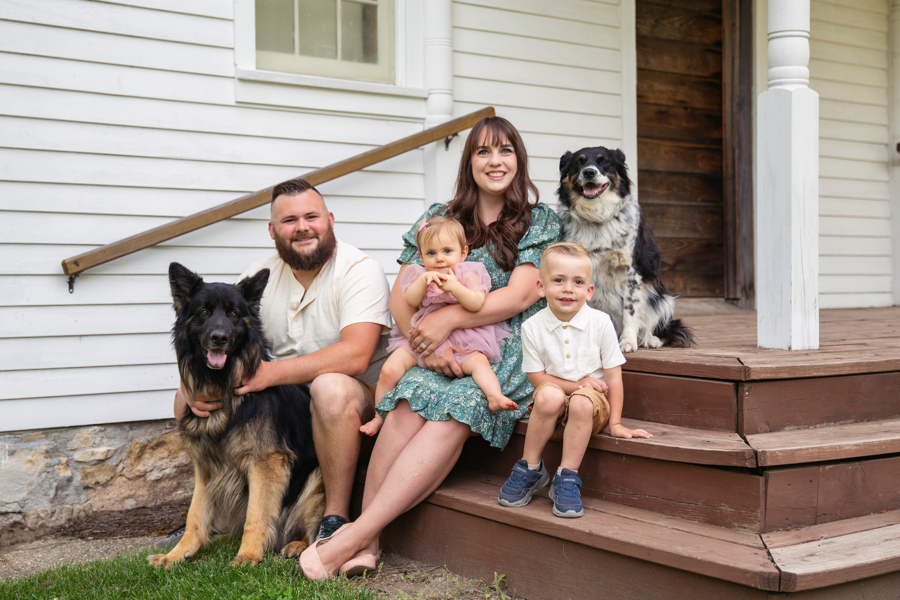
x=450 y=284
x=431 y=331
x=429 y=277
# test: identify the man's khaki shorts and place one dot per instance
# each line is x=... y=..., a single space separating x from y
x=601 y=408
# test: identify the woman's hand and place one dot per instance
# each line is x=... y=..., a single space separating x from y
x=430 y=333
x=445 y=365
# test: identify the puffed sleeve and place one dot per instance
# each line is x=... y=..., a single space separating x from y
x=544 y=230
x=473 y=275
x=409 y=276
x=410 y=254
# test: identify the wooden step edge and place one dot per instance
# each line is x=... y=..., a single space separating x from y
x=725 y=534
x=833 y=442
x=604 y=531
x=674 y=443
x=814 y=533
x=839 y=559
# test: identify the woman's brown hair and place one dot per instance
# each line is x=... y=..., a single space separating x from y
x=501 y=238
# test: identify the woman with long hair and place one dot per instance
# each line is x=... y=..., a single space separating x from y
x=433 y=410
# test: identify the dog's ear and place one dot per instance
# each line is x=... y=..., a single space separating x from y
x=620 y=158
x=252 y=288
x=622 y=170
x=184 y=284
x=564 y=161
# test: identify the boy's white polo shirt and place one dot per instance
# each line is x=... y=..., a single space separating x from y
x=570 y=350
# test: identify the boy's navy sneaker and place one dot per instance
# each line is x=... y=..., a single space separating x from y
x=522 y=484
x=566 y=496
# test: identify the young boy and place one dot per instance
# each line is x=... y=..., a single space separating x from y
x=572 y=357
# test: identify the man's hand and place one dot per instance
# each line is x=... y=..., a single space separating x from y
x=265 y=377
x=445 y=365
x=199 y=404
x=593 y=383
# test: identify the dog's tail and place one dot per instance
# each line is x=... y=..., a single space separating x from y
x=677 y=334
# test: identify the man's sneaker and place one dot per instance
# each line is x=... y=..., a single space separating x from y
x=566 y=496
x=522 y=484
x=330 y=524
x=172 y=538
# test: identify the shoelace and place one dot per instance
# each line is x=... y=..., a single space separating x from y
x=518 y=479
x=567 y=487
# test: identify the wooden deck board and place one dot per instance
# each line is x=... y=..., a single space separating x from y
x=597 y=529
x=803 y=535
x=851 y=341
x=826 y=443
x=839 y=559
x=671 y=442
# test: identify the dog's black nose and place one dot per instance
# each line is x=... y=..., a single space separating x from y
x=218 y=338
x=589 y=173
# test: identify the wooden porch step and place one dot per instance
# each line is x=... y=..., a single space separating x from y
x=835 y=553
x=833 y=442
x=674 y=443
x=621 y=552
x=685 y=545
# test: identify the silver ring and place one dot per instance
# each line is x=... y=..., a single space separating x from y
x=423 y=346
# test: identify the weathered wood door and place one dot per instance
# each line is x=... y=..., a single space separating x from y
x=682 y=103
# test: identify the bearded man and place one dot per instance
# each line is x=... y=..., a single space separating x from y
x=325 y=310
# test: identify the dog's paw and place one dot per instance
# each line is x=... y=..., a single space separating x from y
x=654 y=342
x=242 y=560
x=162 y=560
x=622 y=260
x=628 y=345
x=294 y=549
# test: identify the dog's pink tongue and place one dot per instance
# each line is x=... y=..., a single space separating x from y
x=216 y=359
x=590 y=190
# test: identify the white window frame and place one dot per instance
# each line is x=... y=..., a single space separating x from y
x=409 y=52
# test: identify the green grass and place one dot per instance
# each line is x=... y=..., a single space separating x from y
x=207 y=576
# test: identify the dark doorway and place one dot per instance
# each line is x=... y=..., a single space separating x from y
x=694 y=124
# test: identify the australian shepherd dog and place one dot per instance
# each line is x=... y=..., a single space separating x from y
x=598 y=211
x=255 y=466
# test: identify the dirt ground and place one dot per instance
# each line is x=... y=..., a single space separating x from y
x=103 y=534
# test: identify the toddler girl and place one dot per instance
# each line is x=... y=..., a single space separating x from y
x=446 y=279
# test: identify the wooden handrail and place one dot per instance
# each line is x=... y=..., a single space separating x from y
x=77 y=264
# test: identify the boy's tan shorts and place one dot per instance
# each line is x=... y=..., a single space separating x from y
x=601 y=408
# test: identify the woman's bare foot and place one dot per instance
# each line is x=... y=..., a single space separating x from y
x=496 y=403
x=373 y=426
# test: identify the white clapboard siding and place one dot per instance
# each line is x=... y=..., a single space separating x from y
x=38 y=412
x=119 y=116
x=849 y=69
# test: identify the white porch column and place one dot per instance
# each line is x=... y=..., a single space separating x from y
x=787 y=209
x=440 y=162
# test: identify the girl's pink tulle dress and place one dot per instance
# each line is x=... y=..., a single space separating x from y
x=464 y=342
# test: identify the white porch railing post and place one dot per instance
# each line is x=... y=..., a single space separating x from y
x=440 y=162
x=787 y=209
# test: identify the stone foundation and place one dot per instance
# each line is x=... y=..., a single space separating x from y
x=52 y=476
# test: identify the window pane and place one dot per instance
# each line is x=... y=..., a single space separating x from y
x=317 y=25
x=359 y=32
x=275 y=25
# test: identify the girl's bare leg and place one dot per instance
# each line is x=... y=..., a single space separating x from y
x=395 y=367
x=480 y=369
x=417 y=471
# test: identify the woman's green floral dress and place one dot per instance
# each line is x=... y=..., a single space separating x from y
x=436 y=397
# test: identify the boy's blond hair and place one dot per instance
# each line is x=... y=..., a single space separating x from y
x=440 y=227
x=563 y=249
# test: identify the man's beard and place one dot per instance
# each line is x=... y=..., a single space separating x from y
x=311 y=261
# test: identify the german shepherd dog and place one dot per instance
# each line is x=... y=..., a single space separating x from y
x=255 y=465
x=598 y=211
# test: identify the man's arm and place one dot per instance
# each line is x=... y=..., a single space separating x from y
x=350 y=356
